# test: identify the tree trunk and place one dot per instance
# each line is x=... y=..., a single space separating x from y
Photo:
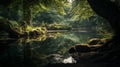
x=27 y=13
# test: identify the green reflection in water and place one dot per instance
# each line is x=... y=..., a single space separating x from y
x=39 y=51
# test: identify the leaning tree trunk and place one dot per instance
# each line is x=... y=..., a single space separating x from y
x=111 y=12
x=27 y=13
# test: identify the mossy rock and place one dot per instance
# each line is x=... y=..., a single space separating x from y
x=94 y=41
x=97 y=41
x=104 y=40
x=34 y=33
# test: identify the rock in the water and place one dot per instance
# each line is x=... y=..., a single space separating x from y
x=79 y=48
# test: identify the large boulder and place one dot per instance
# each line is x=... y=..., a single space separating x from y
x=94 y=41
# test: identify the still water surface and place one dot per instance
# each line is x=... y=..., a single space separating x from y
x=42 y=50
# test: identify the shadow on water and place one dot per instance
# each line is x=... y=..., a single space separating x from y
x=46 y=50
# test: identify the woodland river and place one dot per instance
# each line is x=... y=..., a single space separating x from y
x=40 y=51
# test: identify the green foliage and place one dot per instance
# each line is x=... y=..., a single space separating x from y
x=26 y=7
x=49 y=17
x=58 y=26
x=81 y=10
x=44 y=12
x=103 y=27
x=14 y=24
x=35 y=30
x=44 y=5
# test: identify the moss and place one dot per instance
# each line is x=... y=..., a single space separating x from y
x=56 y=26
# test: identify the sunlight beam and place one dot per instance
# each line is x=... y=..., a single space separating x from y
x=70 y=1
